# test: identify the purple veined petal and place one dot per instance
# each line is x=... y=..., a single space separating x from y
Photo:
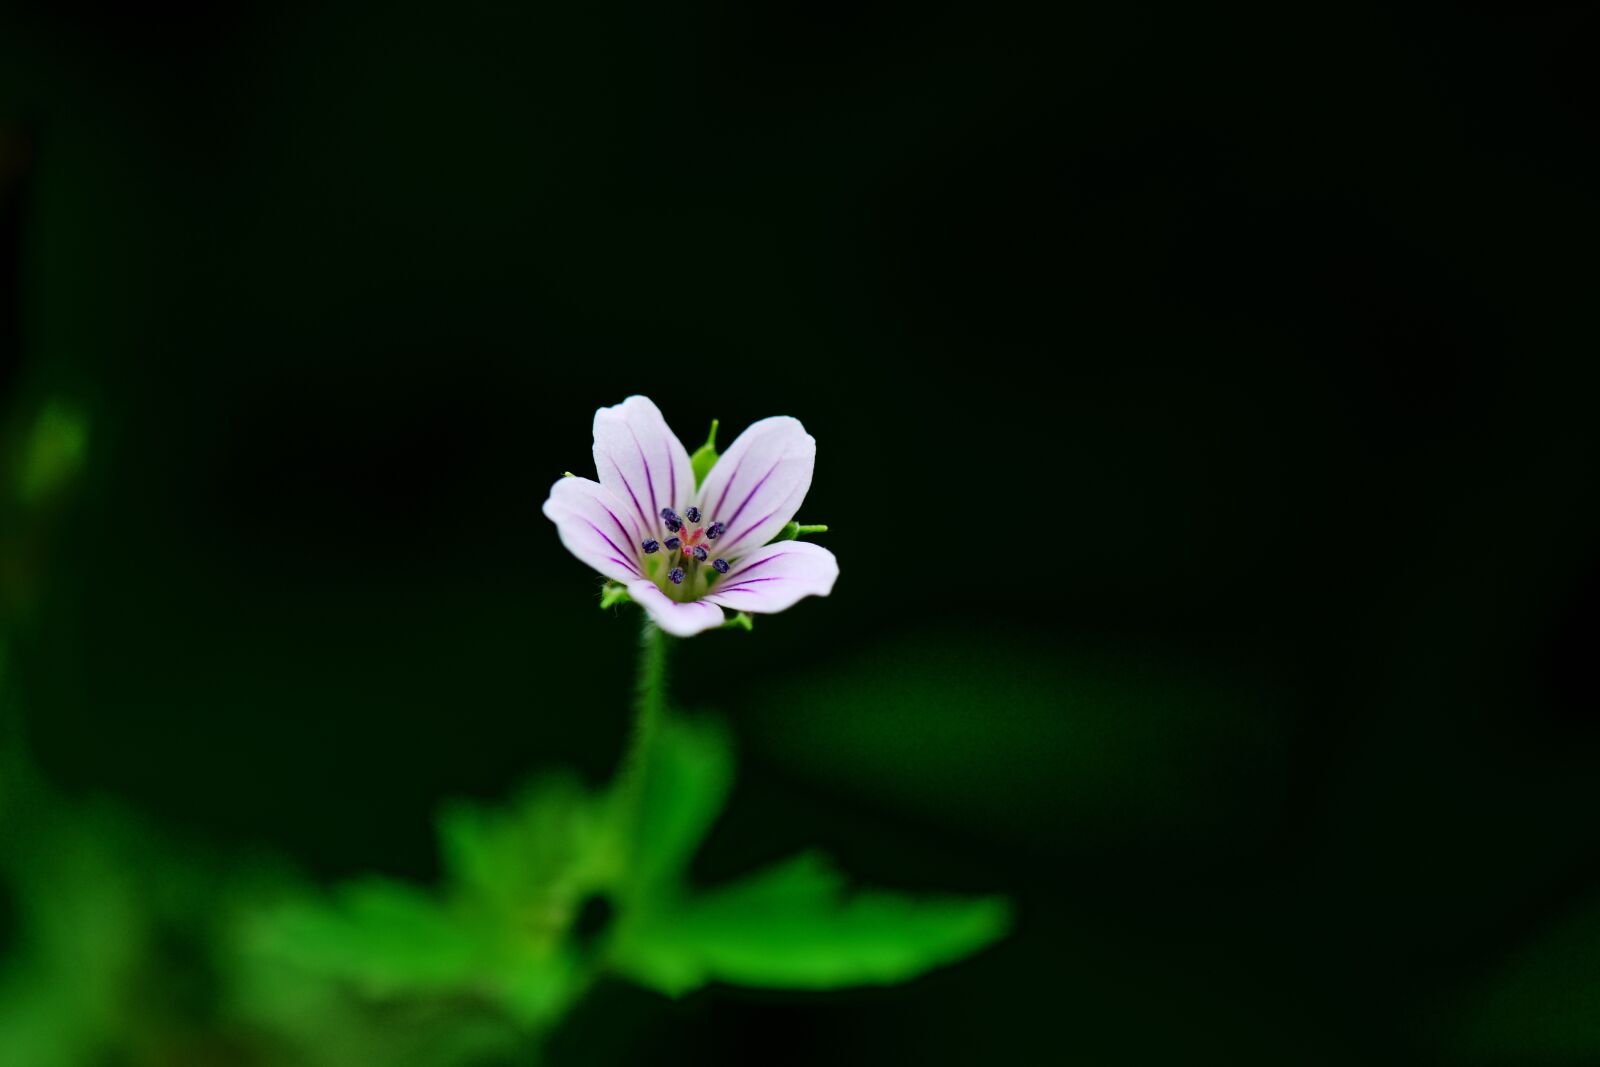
x=760 y=482
x=641 y=461
x=773 y=578
x=596 y=527
x=679 y=620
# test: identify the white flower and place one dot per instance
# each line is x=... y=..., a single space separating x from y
x=686 y=552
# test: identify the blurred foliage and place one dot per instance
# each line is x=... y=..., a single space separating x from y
x=55 y=451
x=44 y=458
x=131 y=950
x=136 y=948
x=794 y=927
x=1088 y=746
x=116 y=958
x=494 y=940
x=505 y=930
x=1543 y=1004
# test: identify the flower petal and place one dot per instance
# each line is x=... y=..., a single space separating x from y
x=596 y=527
x=679 y=620
x=773 y=578
x=640 y=460
x=758 y=484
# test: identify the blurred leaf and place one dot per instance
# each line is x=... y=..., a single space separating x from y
x=119 y=953
x=40 y=1025
x=1006 y=735
x=793 y=926
x=497 y=933
x=686 y=775
x=1545 y=1004
x=554 y=844
x=322 y=1023
x=384 y=937
x=55 y=451
x=83 y=935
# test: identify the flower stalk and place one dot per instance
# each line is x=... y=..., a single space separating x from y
x=649 y=710
x=650 y=691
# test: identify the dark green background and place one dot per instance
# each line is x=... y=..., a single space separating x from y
x=1204 y=413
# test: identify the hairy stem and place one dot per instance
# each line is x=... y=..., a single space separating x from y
x=650 y=692
x=649 y=708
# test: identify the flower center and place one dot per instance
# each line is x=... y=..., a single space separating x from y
x=688 y=561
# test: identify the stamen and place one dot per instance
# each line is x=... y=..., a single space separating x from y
x=693 y=514
x=650 y=546
x=700 y=553
x=673 y=543
x=721 y=565
x=714 y=531
x=670 y=517
x=675 y=576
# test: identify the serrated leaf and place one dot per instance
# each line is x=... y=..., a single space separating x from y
x=686 y=774
x=552 y=845
x=497 y=932
x=793 y=926
x=384 y=937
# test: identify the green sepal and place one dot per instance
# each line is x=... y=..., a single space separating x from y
x=794 y=530
x=742 y=621
x=612 y=594
x=705 y=457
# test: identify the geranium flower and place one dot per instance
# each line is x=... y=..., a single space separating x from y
x=685 y=552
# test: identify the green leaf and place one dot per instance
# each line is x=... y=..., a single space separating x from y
x=793 y=926
x=317 y=1023
x=537 y=857
x=384 y=937
x=686 y=774
x=705 y=457
x=498 y=933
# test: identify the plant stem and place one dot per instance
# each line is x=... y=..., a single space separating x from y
x=649 y=707
x=650 y=693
